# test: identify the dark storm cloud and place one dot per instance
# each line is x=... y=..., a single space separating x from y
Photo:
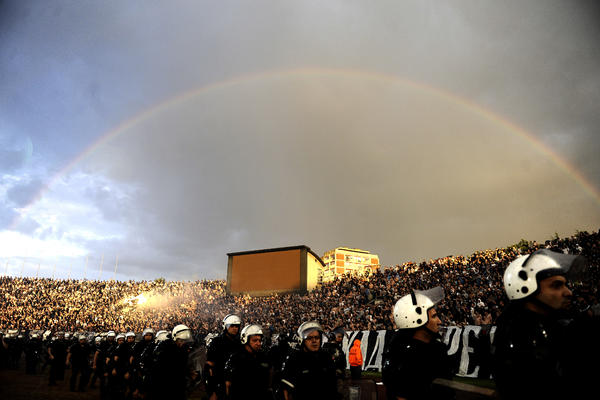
x=328 y=160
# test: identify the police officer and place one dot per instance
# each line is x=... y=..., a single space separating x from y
x=116 y=367
x=335 y=347
x=416 y=356
x=309 y=372
x=33 y=354
x=278 y=353
x=141 y=362
x=3 y=351
x=57 y=354
x=248 y=371
x=127 y=354
x=540 y=344
x=100 y=362
x=218 y=352
x=95 y=371
x=170 y=370
x=79 y=357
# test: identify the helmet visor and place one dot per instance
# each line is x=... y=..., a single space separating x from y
x=308 y=331
x=184 y=335
x=435 y=294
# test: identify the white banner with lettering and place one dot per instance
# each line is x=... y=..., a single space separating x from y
x=468 y=346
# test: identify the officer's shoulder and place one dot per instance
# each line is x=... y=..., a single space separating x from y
x=163 y=346
x=216 y=341
x=292 y=356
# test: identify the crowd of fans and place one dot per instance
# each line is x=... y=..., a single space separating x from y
x=473 y=285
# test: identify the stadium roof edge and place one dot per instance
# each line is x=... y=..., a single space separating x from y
x=299 y=247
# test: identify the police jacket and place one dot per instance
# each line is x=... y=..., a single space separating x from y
x=410 y=366
x=103 y=350
x=59 y=350
x=249 y=374
x=219 y=350
x=80 y=355
x=336 y=351
x=169 y=371
x=539 y=356
x=142 y=355
x=309 y=375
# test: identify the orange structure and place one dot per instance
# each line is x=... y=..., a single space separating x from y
x=277 y=270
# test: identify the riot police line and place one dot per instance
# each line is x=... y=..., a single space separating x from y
x=538 y=343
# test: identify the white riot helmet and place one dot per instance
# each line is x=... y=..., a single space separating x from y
x=161 y=335
x=120 y=336
x=182 y=332
x=231 y=319
x=523 y=274
x=129 y=334
x=307 y=327
x=98 y=339
x=148 y=331
x=411 y=310
x=250 y=330
x=111 y=334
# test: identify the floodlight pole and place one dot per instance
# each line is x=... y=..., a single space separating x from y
x=116 y=264
x=101 y=262
x=85 y=268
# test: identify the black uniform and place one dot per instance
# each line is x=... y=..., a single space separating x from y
x=3 y=352
x=249 y=374
x=15 y=349
x=410 y=366
x=142 y=364
x=544 y=356
x=103 y=349
x=169 y=372
x=218 y=352
x=277 y=356
x=80 y=363
x=33 y=355
x=118 y=364
x=336 y=351
x=57 y=365
x=309 y=375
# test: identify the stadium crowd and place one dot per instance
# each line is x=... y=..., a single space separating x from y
x=356 y=302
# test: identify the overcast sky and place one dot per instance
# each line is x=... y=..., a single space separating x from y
x=412 y=129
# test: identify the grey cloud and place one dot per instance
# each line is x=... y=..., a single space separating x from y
x=10 y=160
x=26 y=225
x=23 y=193
x=325 y=160
x=320 y=160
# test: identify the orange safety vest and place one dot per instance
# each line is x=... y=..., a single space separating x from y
x=355 y=355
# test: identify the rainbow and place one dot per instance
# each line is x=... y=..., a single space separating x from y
x=569 y=169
